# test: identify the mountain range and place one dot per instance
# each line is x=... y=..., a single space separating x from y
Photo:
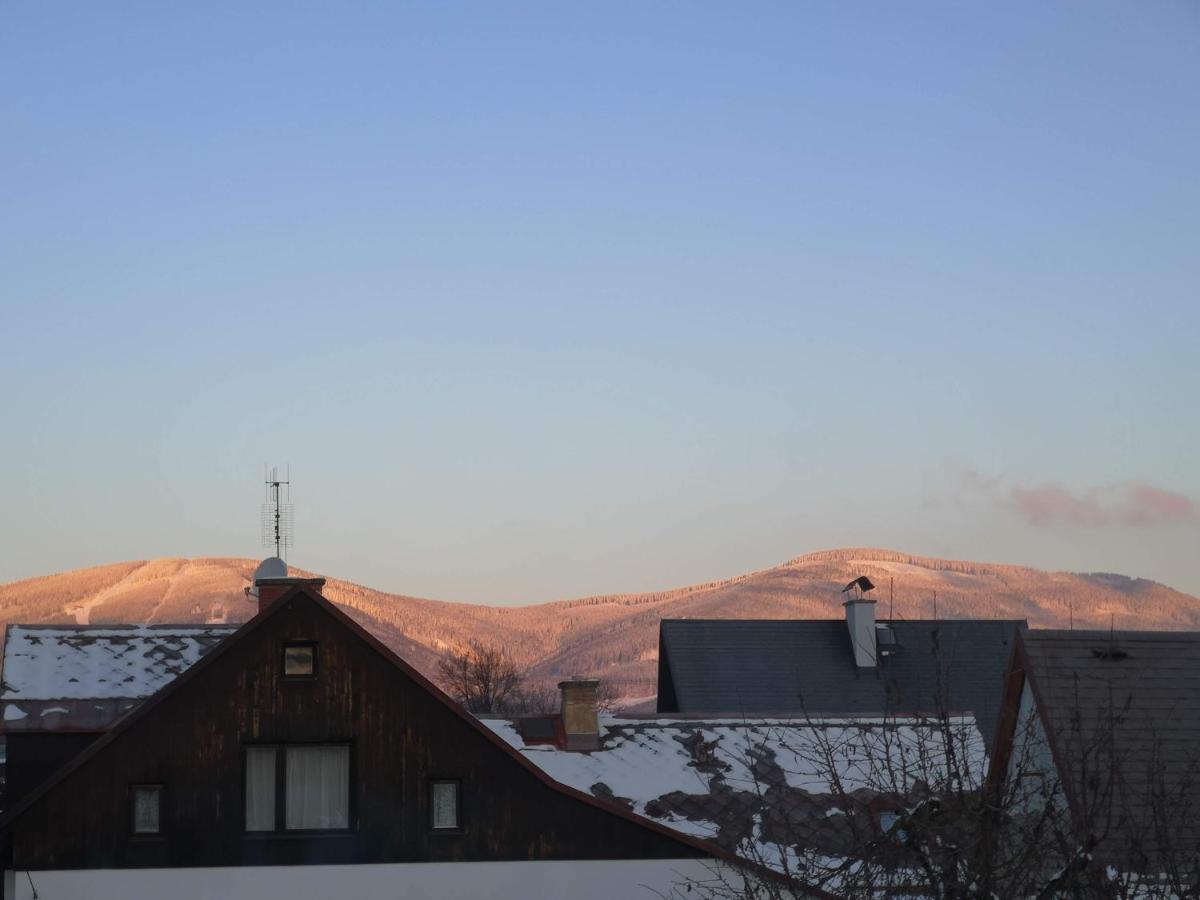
x=614 y=637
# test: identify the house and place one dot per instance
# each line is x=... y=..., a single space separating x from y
x=65 y=685
x=1105 y=725
x=830 y=667
x=788 y=793
x=300 y=755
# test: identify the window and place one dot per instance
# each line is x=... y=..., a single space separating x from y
x=318 y=788
x=260 y=788
x=298 y=787
x=147 y=808
x=299 y=660
x=444 y=805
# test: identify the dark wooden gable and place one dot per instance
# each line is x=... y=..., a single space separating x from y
x=403 y=732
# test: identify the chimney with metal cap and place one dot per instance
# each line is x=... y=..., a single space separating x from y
x=860 y=621
x=271 y=581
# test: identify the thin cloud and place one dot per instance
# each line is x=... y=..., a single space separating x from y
x=1133 y=505
x=1148 y=505
x=1052 y=505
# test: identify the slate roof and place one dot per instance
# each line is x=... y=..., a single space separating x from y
x=797 y=666
x=762 y=786
x=1143 y=689
x=83 y=678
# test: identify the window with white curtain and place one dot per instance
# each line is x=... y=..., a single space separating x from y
x=147 y=808
x=260 y=788
x=443 y=802
x=316 y=787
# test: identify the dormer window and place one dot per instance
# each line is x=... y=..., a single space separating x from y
x=299 y=659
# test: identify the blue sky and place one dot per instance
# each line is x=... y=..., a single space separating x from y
x=542 y=300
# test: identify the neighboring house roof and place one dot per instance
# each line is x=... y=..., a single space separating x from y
x=82 y=678
x=806 y=667
x=1125 y=706
x=761 y=786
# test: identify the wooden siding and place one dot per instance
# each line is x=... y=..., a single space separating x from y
x=401 y=735
x=33 y=757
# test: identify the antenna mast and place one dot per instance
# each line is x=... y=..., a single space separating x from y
x=277 y=510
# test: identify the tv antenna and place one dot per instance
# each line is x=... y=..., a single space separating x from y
x=277 y=521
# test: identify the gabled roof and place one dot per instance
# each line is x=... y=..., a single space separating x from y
x=1125 y=703
x=759 y=786
x=797 y=667
x=690 y=846
x=63 y=677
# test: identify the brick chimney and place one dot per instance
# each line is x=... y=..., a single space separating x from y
x=271 y=589
x=860 y=620
x=271 y=581
x=581 y=722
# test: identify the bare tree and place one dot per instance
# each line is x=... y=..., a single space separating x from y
x=538 y=699
x=543 y=698
x=900 y=805
x=482 y=677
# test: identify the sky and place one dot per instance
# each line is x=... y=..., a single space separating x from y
x=549 y=300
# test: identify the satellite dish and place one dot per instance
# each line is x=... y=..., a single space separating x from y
x=271 y=567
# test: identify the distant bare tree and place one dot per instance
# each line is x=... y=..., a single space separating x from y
x=482 y=677
x=540 y=699
x=543 y=699
x=608 y=698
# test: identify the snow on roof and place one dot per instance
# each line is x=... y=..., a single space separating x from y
x=111 y=664
x=755 y=786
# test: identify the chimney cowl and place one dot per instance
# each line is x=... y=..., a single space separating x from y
x=580 y=716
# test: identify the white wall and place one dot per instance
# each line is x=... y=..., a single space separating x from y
x=604 y=880
x=1032 y=762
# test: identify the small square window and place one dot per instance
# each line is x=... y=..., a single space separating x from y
x=299 y=660
x=444 y=805
x=147 y=809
